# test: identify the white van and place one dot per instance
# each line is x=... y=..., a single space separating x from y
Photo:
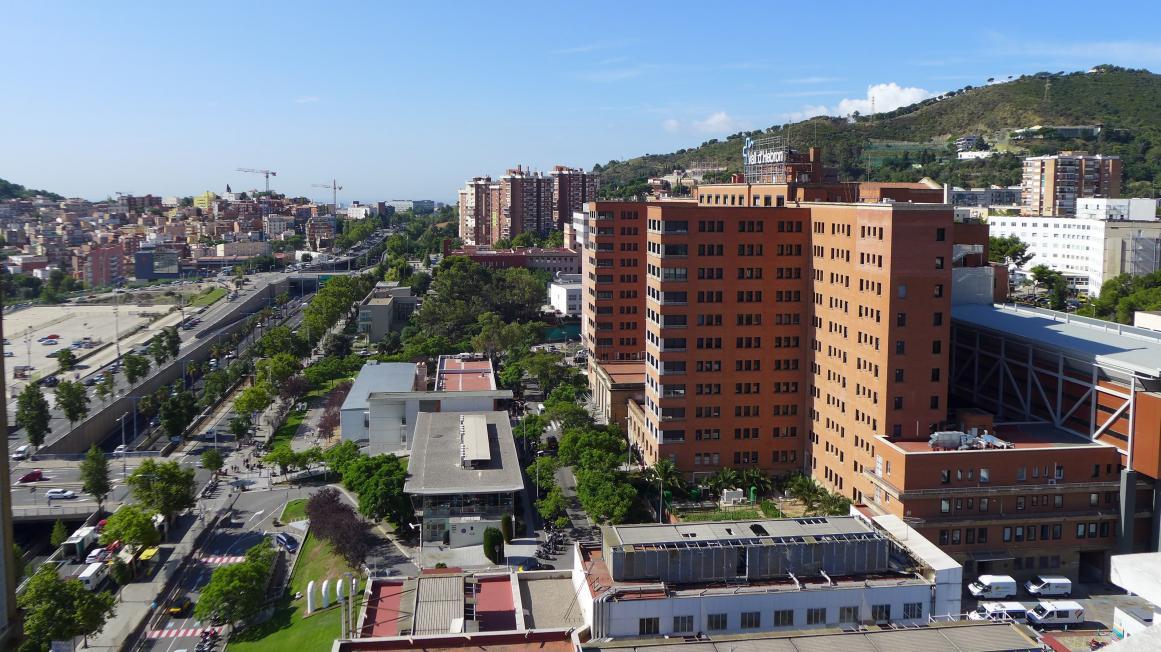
x=1056 y=613
x=22 y=452
x=996 y=587
x=1049 y=585
x=1000 y=611
x=93 y=575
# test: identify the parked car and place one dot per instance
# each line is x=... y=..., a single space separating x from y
x=1001 y=611
x=993 y=586
x=60 y=494
x=35 y=475
x=98 y=555
x=286 y=541
x=1056 y=613
x=49 y=381
x=1049 y=585
x=22 y=453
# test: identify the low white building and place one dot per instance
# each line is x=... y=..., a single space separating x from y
x=1087 y=251
x=1103 y=208
x=564 y=294
x=748 y=577
x=386 y=399
x=354 y=416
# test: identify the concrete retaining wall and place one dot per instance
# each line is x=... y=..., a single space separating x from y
x=97 y=426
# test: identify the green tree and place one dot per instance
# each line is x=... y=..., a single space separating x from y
x=1009 y=250
x=132 y=525
x=163 y=487
x=106 y=387
x=33 y=414
x=240 y=427
x=553 y=505
x=212 y=459
x=378 y=482
x=340 y=456
x=177 y=413
x=19 y=565
x=59 y=533
x=253 y=399
x=158 y=349
x=276 y=369
x=120 y=571
x=136 y=367
x=757 y=479
x=541 y=472
x=58 y=609
x=72 y=400
x=95 y=475
x=238 y=591
x=172 y=340
x=605 y=495
x=66 y=360
x=494 y=545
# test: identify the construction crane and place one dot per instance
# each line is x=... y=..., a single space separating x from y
x=265 y=173
x=335 y=188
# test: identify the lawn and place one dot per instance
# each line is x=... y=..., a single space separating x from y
x=295 y=510
x=287 y=629
x=284 y=434
x=741 y=514
x=207 y=298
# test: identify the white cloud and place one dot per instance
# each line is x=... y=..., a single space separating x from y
x=306 y=99
x=806 y=112
x=718 y=122
x=886 y=97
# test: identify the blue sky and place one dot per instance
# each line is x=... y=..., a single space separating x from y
x=406 y=100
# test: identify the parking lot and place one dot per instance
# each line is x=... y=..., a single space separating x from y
x=1098 y=599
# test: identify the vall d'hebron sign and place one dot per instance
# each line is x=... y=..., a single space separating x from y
x=753 y=156
x=764 y=160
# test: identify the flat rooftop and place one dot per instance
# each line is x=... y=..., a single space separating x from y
x=438 y=448
x=651 y=534
x=549 y=602
x=624 y=372
x=1022 y=436
x=379 y=377
x=1104 y=343
x=456 y=374
x=967 y=636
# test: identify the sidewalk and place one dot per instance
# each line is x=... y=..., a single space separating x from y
x=134 y=600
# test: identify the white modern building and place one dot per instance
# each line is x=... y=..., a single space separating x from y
x=1103 y=208
x=384 y=403
x=748 y=577
x=354 y=416
x=564 y=294
x=1087 y=251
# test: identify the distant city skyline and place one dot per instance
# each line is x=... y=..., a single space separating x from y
x=406 y=102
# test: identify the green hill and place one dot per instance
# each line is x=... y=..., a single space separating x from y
x=9 y=190
x=1127 y=103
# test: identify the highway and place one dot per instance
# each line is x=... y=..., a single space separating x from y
x=210 y=318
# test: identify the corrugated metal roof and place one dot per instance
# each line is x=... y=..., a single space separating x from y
x=987 y=639
x=441 y=600
x=919 y=640
x=835 y=643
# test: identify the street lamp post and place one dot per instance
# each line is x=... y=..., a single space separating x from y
x=124 y=448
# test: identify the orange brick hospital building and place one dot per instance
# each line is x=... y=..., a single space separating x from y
x=788 y=326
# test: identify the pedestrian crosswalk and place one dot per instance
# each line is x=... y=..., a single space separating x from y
x=181 y=632
x=220 y=560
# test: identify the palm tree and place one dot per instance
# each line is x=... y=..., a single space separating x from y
x=667 y=476
x=666 y=473
x=722 y=479
x=757 y=479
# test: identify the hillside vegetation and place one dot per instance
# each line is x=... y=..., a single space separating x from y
x=1126 y=102
x=9 y=190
